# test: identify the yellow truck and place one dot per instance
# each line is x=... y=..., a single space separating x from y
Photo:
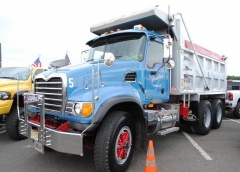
x=14 y=82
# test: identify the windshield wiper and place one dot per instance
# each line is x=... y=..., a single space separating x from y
x=90 y=60
x=118 y=57
x=8 y=77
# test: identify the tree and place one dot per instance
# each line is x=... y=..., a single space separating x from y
x=233 y=77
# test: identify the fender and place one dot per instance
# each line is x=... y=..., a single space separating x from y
x=20 y=97
x=102 y=110
x=19 y=93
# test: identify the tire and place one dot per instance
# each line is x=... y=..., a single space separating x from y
x=118 y=127
x=204 y=123
x=12 y=124
x=236 y=112
x=217 y=112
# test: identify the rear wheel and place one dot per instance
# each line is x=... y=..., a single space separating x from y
x=114 y=143
x=217 y=109
x=204 y=123
x=12 y=124
x=236 y=112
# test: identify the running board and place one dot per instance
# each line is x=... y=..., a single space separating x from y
x=167 y=131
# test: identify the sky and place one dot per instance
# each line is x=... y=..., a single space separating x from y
x=52 y=28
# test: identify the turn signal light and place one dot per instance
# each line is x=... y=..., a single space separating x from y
x=87 y=109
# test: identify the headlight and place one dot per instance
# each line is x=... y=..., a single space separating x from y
x=77 y=108
x=83 y=109
x=5 y=95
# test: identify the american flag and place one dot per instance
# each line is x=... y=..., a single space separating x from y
x=37 y=63
x=66 y=57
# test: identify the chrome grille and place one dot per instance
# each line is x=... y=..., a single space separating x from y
x=53 y=92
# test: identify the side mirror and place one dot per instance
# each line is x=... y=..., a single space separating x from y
x=84 y=53
x=167 y=47
x=109 y=59
x=170 y=64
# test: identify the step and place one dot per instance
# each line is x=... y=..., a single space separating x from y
x=167 y=131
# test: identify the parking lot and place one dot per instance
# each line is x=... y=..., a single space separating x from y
x=179 y=151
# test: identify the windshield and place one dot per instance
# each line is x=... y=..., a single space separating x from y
x=129 y=46
x=11 y=73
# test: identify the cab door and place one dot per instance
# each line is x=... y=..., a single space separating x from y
x=156 y=75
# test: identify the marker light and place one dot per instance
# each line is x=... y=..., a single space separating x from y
x=150 y=105
x=139 y=27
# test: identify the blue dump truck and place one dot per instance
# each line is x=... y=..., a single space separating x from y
x=141 y=77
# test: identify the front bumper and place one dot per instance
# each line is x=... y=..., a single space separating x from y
x=66 y=141
x=5 y=106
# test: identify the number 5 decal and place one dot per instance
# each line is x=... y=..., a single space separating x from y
x=70 y=80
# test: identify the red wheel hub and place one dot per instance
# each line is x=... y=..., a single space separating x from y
x=123 y=145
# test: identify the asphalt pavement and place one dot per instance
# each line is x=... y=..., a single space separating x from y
x=219 y=151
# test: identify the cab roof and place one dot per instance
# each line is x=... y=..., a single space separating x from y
x=152 y=19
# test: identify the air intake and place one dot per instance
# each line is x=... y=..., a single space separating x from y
x=130 y=77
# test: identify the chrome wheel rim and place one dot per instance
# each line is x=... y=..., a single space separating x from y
x=219 y=114
x=207 y=117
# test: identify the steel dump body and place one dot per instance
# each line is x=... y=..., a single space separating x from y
x=186 y=76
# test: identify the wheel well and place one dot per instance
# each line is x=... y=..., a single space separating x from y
x=21 y=103
x=137 y=113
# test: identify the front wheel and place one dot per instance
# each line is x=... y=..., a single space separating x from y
x=114 y=143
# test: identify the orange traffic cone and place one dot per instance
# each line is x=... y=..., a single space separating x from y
x=150 y=159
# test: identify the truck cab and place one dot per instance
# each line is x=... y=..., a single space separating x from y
x=130 y=49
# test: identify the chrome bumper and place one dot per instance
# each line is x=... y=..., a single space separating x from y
x=65 y=142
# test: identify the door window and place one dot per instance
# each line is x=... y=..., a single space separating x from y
x=155 y=54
